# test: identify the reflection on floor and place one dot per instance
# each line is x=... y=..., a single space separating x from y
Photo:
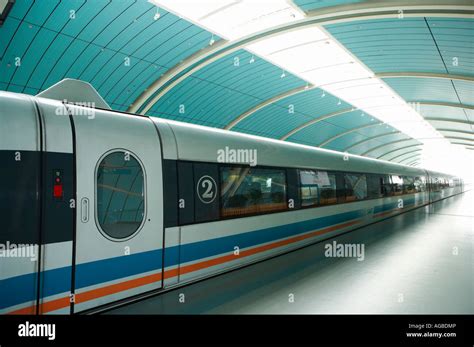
x=419 y=262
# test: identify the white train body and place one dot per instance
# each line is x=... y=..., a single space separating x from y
x=123 y=205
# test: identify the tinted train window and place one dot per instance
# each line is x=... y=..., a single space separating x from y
x=408 y=185
x=246 y=191
x=120 y=195
x=328 y=189
x=420 y=184
x=374 y=186
x=439 y=183
x=397 y=185
x=386 y=186
x=356 y=187
x=308 y=188
x=317 y=188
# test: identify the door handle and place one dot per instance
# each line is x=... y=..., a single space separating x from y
x=84 y=210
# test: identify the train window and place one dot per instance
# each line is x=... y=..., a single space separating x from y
x=328 y=190
x=247 y=191
x=374 y=186
x=293 y=187
x=317 y=188
x=420 y=184
x=386 y=185
x=185 y=193
x=445 y=183
x=397 y=185
x=408 y=185
x=120 y=195
x=340 y=190
x=356 y=187
x=438 y=183
x=308 y=188
x=435 y=184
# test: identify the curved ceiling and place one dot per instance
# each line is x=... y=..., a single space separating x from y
x=145 y=59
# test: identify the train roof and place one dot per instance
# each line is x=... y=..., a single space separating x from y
x=200 y=143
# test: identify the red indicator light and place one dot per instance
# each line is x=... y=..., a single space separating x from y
x=58 y=180
x=58 y=191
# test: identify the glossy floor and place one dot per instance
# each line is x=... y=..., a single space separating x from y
x=419 y=262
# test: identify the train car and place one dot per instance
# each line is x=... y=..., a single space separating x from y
x=99 y=207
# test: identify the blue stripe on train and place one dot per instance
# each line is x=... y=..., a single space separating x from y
x=19 y=289
x=208 y=248
x=393 y=205
x=16 y=290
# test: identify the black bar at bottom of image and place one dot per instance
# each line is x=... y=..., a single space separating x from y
x=239 y=329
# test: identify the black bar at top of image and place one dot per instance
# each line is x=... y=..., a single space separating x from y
x=456 y=330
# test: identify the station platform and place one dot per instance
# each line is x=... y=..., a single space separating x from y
x=420 y=262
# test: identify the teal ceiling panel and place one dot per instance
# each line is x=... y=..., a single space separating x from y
x=12 y=51
x=433 y=45
x=272 y=121
x=41 y=75
x=315 y=134
x=453 y=37
x=459 y=134
x=470 y=114
x=314 y=101
x=408 y=157
x=465 y=90
x=58 y=70
x=393 y=148
x=367 y=145
x=41 y=11
x=104 y=20
x=15 y=88
x=31 y=57
x=376 y=43
x=83 y=15
x=104 y=59
x=342 y=142
x=309 y=5
x=307 y=105
x=126 y=12
x=117 y=46
x=63 y=12
x=375 y=130
x=462 y=142
x=444 y=112
x=450 y=125
x=225 y=105
x=21 y=9
x=31 y=91
x=350 y=120
x=424 y=89
x=225 y=89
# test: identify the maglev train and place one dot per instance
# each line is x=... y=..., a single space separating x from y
x=99 y=207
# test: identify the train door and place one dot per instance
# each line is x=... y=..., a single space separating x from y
x=20 y=204
x=119 y=223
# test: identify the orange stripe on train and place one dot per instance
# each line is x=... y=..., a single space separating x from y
x=57 y=304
